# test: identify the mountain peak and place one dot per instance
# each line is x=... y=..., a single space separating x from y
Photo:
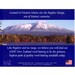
x=42 y=25
x=39 y=25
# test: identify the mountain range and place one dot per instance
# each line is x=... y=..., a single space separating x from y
x=37 y=28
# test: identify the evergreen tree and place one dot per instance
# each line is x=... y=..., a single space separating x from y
x=68 y=39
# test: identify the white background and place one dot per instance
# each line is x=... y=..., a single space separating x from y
x=42 y=4
x=37 y=4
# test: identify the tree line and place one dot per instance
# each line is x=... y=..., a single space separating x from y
x=33 y=38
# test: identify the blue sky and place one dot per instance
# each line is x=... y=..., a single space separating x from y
x=69 y=24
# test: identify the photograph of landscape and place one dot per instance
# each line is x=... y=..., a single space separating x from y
x=36 y=31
